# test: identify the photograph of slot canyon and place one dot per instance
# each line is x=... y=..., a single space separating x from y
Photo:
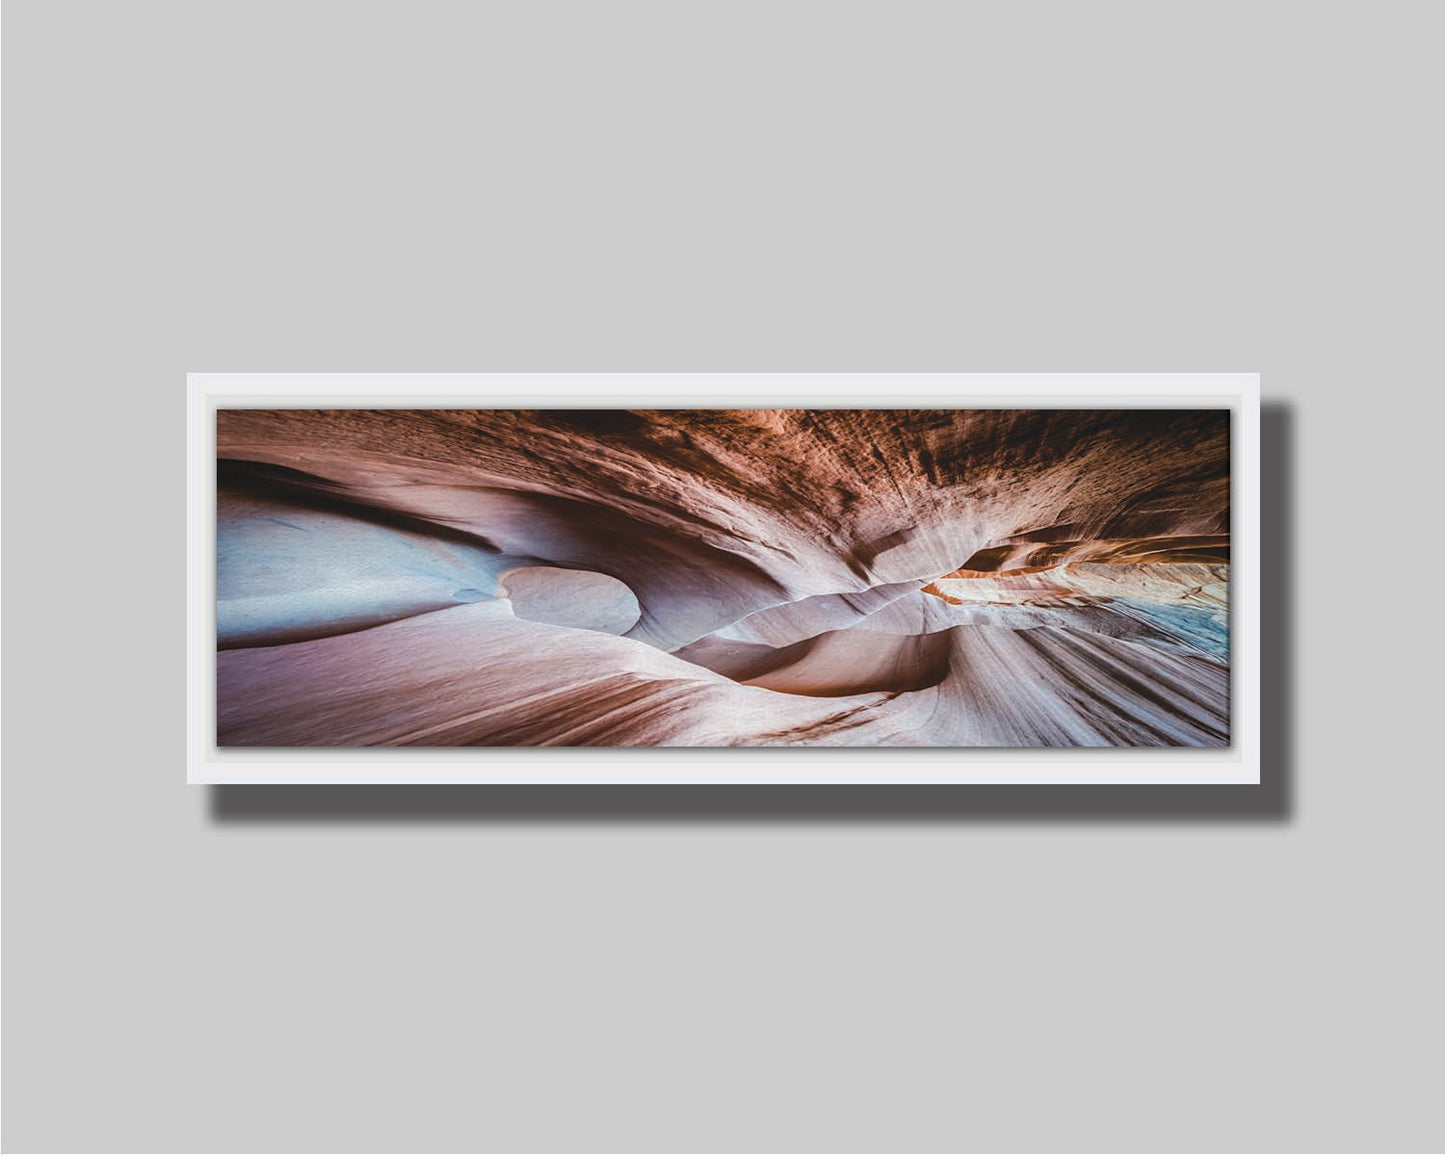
x=723 y=577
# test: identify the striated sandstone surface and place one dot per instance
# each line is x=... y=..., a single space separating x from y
x=729 y=577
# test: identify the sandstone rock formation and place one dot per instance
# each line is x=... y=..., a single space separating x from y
x=723 y=577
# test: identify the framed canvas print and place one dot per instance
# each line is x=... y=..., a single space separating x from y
x=723 y=578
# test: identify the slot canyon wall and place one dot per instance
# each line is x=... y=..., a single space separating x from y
x=723 y=577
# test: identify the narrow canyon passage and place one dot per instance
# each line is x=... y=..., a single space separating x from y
x=723 y=577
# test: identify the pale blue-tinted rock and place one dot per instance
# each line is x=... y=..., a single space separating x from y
x=286 y=573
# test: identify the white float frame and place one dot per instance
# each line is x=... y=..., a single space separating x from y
x=1239 y=763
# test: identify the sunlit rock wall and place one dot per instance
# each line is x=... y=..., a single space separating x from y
x=736 y=577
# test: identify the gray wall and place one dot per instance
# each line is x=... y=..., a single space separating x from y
x=632 y=186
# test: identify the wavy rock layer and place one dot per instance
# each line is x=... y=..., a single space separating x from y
x=708 y=578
